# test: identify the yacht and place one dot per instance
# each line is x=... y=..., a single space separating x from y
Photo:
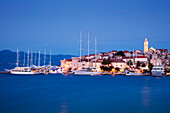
x=157 y=71
x=24 y=70
x=87 y=71
x=56 y=70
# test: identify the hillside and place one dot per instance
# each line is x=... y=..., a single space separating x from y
x=8 y=59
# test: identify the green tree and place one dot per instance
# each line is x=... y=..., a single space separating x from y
x=106 y=62
x=130 y=62
x=120 y=53
x=143 y=65
x=165 y=70
x=69 y=69
x=138 y=64
x=105 y=68
x=150 y=66
x=117 y=69
x=110 y=68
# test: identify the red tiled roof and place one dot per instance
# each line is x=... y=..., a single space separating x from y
x=86 y=60
x=69 y=60
x=117 y=60
x=139 y=50
x=140 y=57
x=92 y=54
x=117 y=56
x=133 y=57
x=105 y=55
x=163 y=50
x=126 y=51
x=114 y=51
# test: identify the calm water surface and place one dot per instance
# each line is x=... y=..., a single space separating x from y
x=84 y=94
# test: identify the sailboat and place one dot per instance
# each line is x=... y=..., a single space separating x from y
x=86 y=70
x=23 y=70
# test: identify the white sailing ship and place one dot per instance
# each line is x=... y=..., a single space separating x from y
x=88 y=70
x=24 y=70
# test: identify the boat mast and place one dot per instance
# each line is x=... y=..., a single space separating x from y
x=80 y=47
x=39 y=59
x=50 y=57
x=35 y=59
x=28 y=59
x=31 y=59
x=133 y=58
x=95 y=49
x=24 y=60
x=17 y=58
x=88 y=48
x=44 y=56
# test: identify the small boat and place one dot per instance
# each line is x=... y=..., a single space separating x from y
x=87 y=71
x=133 y=73
x=157 y=71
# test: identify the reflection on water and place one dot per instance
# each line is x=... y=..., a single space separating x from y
x=64 y=107
x=84 y=94
x=146 y=96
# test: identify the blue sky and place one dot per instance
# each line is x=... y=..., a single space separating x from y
x=56 y=24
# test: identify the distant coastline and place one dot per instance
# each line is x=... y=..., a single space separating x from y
x=8 y=59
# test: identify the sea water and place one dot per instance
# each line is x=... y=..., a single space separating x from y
x=84 y=94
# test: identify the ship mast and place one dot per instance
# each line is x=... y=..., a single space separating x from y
x=31 y=59
x=88 y=48
x=44 y=56
x=95 y=49
x=50 y=57
x=39 y=59
x=80 y=47
x=133 y=57
x=28 y=59
x=17 y=58
x=35 y=59
x=24 y=60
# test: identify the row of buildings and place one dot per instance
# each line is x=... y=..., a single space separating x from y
x=120 y=59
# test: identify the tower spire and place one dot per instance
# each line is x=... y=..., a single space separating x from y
x=145 y=45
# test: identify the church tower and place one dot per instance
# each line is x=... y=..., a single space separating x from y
x=145 y=45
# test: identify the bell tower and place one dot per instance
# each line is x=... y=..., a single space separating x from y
x=145 y=45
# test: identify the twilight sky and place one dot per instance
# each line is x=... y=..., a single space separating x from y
x=56 y=24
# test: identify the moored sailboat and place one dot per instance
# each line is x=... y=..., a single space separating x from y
x=24 y=70
x=87 y=70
